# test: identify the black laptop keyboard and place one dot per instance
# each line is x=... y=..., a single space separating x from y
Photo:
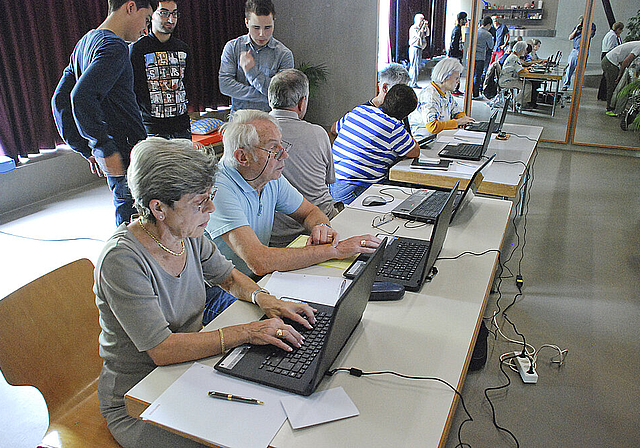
x=432 y=205
x=482 y=126
x=406 y=260
x=295 y=363
x=466 y=150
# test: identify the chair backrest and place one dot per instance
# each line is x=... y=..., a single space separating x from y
x=49 y=335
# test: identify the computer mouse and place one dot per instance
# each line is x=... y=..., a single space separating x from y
x=371 y=201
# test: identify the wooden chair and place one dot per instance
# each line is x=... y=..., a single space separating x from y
x=49 y=339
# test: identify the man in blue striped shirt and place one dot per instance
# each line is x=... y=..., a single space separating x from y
x=370 y=140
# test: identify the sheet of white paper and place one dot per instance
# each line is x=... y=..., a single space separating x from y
x=310 y=288
x=320 y=407
x=463 y=167
x=462 y=133
x=186 y=407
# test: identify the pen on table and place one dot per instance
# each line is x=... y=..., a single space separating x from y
x=231 y=397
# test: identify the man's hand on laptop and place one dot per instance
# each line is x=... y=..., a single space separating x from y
x=323 y=234
x=294 y=311
x=363 y=244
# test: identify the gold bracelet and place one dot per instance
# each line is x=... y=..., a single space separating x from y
x=222 y=346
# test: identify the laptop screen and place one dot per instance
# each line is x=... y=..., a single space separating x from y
x=349 y=309
x=472 y=187
x=440 y=229
x=505 y=108
x=487 y=135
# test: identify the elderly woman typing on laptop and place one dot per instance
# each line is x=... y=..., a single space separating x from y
x=150 y=285
x=437 y=108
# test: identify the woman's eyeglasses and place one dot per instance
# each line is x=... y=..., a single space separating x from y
x=209 y=197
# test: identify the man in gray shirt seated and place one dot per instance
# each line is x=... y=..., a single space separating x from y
x=309 y=167
x=249 y=62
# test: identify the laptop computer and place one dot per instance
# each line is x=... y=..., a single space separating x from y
x=425 y=205
x=541 y=69
x=301 y=370
x=409 y=261
x=481 y=126
x=470 y=151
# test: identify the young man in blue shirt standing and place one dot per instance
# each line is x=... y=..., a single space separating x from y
x=94 y=106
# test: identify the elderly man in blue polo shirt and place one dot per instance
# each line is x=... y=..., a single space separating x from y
x=249 y=62
x=251 y=188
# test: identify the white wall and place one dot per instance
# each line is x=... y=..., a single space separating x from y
x=342 y=35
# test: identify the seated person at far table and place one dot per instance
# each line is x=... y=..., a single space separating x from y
x=149 y=285
x=309 y=165
x=252 y=188
x=370 y=140
x=438 y=109
x=510 y=75
x=388 y=77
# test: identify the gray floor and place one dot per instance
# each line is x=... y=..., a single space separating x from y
x=581 y=268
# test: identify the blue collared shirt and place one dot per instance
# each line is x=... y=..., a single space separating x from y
x=238 y=204
x=249 y=90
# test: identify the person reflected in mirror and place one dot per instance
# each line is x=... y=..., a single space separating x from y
x=575 y=37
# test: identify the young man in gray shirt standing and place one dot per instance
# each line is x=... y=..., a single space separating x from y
x=249 y=62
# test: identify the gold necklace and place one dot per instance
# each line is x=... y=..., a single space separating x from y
x=162 y=246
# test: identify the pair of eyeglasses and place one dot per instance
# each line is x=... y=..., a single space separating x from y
x=284 y=147
x=165 y=14
x=209 y=197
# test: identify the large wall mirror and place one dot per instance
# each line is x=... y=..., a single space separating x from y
x=551 y=22
x=593 y=126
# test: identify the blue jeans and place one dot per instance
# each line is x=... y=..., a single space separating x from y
x=345 y=192
x=217 y=301
x=573 y=62
x=122 y=199
x=478 y=77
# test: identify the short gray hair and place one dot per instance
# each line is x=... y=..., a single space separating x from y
x=445 y=68
x=240 y=132
x=520 y=48
x=287 y=88
x=167 y=170
x=394 y=74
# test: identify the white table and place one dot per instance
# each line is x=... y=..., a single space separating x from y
x=502 y=179
x=429 y=333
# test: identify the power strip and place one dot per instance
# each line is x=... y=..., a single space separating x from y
x=528 y=374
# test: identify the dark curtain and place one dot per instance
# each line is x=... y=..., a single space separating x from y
x=402 y=14
x=39 y=35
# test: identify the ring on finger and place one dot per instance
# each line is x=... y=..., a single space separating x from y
x=279 y=332
x=363 y=243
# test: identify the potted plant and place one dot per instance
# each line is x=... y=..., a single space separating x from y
x=317 y=75
x=630 y=118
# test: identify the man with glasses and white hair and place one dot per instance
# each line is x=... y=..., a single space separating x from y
x=309 y=167
x=251 y=188
x=159 y=71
